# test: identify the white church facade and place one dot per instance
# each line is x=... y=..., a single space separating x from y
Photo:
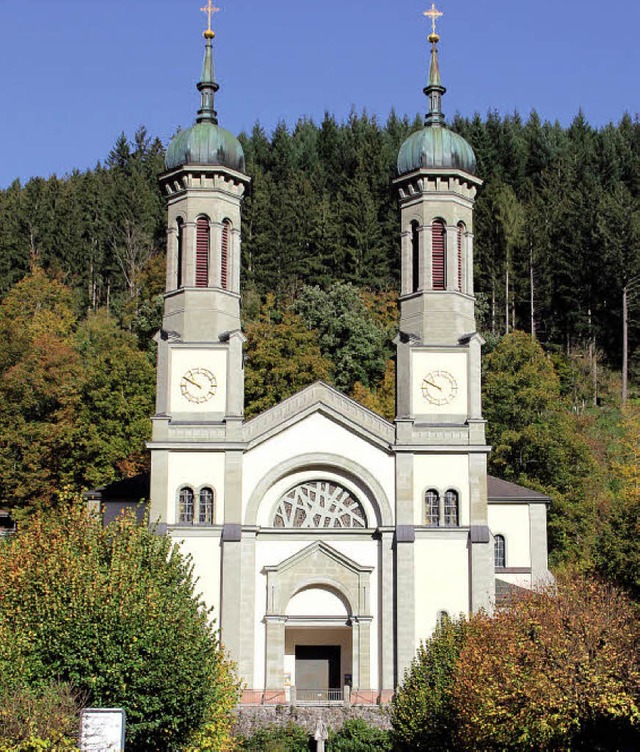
x=328 y=540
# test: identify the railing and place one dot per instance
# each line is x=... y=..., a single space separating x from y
x=318 y=696
x=294 y=696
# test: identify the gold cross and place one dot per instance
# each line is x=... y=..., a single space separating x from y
x=209 y=9
x=433 y=13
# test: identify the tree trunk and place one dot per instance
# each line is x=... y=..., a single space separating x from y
x=625 y=343
x=531 y=293
x=506 y=298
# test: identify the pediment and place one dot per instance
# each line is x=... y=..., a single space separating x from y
x=324 y=399
x=314 y=554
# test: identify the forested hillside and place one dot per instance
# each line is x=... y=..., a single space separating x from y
x=557 y=251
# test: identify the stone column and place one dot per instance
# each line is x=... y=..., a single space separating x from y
x=386 y=621
x=425 y=234
x=189 y=255
x=451 y=258
x=355 y=651
x=275 y=652
x=172 y=259
x=405 y=572
x=364 y=652
x=247 y=609
x=468 y=256
x=406 y=263
x=215 y=254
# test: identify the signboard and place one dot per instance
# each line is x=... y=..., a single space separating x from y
x=102 y=730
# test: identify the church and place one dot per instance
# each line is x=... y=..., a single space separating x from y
x=328 y=540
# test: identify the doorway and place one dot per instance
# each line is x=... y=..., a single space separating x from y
x=318 y=667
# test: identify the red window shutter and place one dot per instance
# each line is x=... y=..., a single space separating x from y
x=202 y=252
x=224 y=260
x=438 y=255
x=460 y=241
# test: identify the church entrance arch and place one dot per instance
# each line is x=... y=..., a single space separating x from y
x=318 y=599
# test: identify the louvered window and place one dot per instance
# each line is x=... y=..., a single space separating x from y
x=224 y=259
x=179 y=259
x=438 y=254
x=202 y=252
x=415 y=257
x=460 y=247
x=432 y=508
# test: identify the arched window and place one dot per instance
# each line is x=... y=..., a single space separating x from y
x=432 y=507
x=438 y=254
x=499 y=552
x=224 y=256
x=319 y=504
x=451 y=508
x=202 y=252
x=185 y=506
x=461 y=230
x=205 y=507
x=415 y=257
x=443 y=618
x=179 y=259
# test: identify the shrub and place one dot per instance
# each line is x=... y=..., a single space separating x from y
x=422 y=715
x=273 y=738
x=113 y=613
x=556 y=669
x=30 y=719
x=358 y=736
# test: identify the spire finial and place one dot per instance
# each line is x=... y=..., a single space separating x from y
x=207 y=85
x=209 y=9
x=434 y=89
x=434 y=14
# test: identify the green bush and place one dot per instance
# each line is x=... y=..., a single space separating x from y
x=273 y=738
x=422 y=714
x=357 y=736
x=112 y=612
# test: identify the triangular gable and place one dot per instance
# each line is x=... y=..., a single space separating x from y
x=325 y=550
x=322 y=398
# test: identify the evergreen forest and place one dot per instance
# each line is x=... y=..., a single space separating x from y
x=557 y=270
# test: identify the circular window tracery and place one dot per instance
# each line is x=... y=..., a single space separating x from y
x=319 y=504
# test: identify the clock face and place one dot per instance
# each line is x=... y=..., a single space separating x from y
x=439 y=387
x=198 y=385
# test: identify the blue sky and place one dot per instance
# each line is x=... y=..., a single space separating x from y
x=75 y=73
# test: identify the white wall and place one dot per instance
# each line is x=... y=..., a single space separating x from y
x=512 y=521
x=195 y=469
x=441 y=581
x=315 y=435
x=441 y=472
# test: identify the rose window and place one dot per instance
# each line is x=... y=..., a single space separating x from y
x=319 y=504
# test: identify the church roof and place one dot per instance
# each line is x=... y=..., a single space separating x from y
x=499 y=490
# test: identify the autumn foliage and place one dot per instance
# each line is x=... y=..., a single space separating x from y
x=556 y=669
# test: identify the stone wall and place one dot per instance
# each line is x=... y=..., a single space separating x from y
x=252 y=717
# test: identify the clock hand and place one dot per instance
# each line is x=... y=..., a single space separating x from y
x=439 y=388
x=191 y=381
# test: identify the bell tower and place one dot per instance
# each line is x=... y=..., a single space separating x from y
x=200 y=373
x=441 y=452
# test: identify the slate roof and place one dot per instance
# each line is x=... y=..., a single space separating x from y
x=502 y=491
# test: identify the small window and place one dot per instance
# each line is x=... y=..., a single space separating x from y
x=202 y=252
x=432 y=507
x=443 y=618
x=185 y=506
x=415 y=257
x=499 y=552
x=206 y=508
x=180 y=252
x=460 y=255
x=451 y=508
x=438 y=254
x=224 y=257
